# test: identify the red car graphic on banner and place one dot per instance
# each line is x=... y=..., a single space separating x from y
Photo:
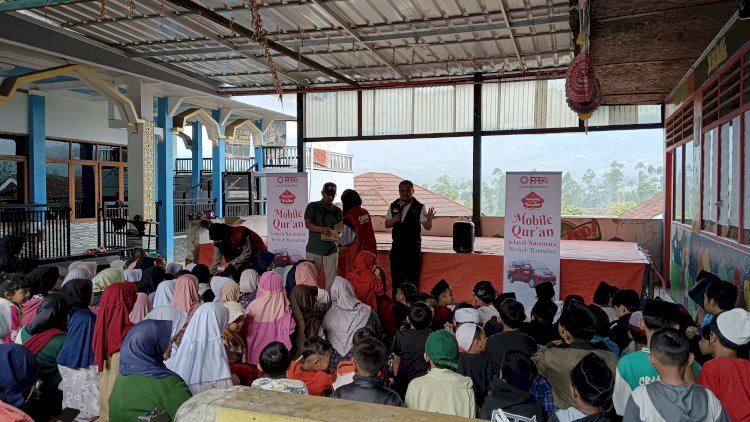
x=531 y=272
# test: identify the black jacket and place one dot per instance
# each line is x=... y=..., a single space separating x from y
x=407 y=232
x=512 y=401
x=369 y=390
x=618 y=332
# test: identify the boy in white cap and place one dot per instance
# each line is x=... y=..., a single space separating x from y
x=471 y=342
x=728 y=374
x=464 y=316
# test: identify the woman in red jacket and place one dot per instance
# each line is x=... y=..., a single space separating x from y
x=359 y=223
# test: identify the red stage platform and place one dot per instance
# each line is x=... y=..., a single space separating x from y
x=583 y=265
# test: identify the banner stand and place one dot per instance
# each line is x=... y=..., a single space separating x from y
x=285 y=209
x=532 y=233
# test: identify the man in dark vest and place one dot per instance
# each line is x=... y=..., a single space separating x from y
x=236 y=244
x=407 y=216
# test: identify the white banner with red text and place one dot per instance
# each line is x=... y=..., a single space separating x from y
x=532 y=233
x=287 y=199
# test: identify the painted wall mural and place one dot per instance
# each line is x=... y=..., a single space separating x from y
x=690 y=253
x=577 y=230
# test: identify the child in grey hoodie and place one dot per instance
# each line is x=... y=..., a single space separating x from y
x=672 y=398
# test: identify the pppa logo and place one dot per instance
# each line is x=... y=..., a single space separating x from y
x=286 y=179
x=534 y=180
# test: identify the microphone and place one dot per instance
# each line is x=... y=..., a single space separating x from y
x=398 y=209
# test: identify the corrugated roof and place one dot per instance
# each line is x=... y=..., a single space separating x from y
x=365 y=40
x=640 y=49
x=379 y=190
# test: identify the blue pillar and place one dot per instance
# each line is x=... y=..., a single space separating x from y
x=217 y=173
x=197 y=149
x=165 y=192
x=258 y=149
x=37 y=151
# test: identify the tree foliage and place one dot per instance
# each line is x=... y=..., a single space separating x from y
x=614 y=193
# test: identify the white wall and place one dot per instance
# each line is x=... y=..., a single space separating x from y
x=81 y=119
x=66 y=117
x=14 y=115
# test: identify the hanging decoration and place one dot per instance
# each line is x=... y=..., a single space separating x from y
x=260 y=38
x=161 y=14
x=131 y=8
x=582 y=87
x=102 y=9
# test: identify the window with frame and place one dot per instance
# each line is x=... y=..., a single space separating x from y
x=13 y=169
x=84 y=175
x=678 y=184
x=712 y=167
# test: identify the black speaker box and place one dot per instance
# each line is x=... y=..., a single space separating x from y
x=463 y=236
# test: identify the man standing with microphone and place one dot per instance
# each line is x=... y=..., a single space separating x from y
x=407 y=216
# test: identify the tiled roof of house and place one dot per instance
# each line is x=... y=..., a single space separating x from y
x=650 y=208
x=379 y=190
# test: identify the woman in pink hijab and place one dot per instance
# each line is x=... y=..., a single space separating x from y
x=141 y=308
x=268 y=317
x=186 y=298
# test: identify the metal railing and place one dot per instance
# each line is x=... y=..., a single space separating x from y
x=184 y=207
x=280 y=157
x=117 y=231
x=273 y=157
x=336 y=162
x=237 y=209
x=237 y=165
x=46 y=229
x=185 y=165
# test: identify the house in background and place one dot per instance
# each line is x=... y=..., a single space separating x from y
x=379 y=190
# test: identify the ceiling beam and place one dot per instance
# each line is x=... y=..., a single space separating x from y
x=240 y=29
x=536 y=74
x=20 y=31
x=13 y=5
x=513 y=41
x=416 y=34
x=55 y=86
x=416 y=65
x=340 y=20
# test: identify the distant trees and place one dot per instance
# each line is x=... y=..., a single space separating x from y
x=614 y=193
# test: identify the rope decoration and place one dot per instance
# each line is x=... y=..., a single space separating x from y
x=260 y=38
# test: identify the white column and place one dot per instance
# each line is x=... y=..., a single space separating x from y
x=141 y=153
